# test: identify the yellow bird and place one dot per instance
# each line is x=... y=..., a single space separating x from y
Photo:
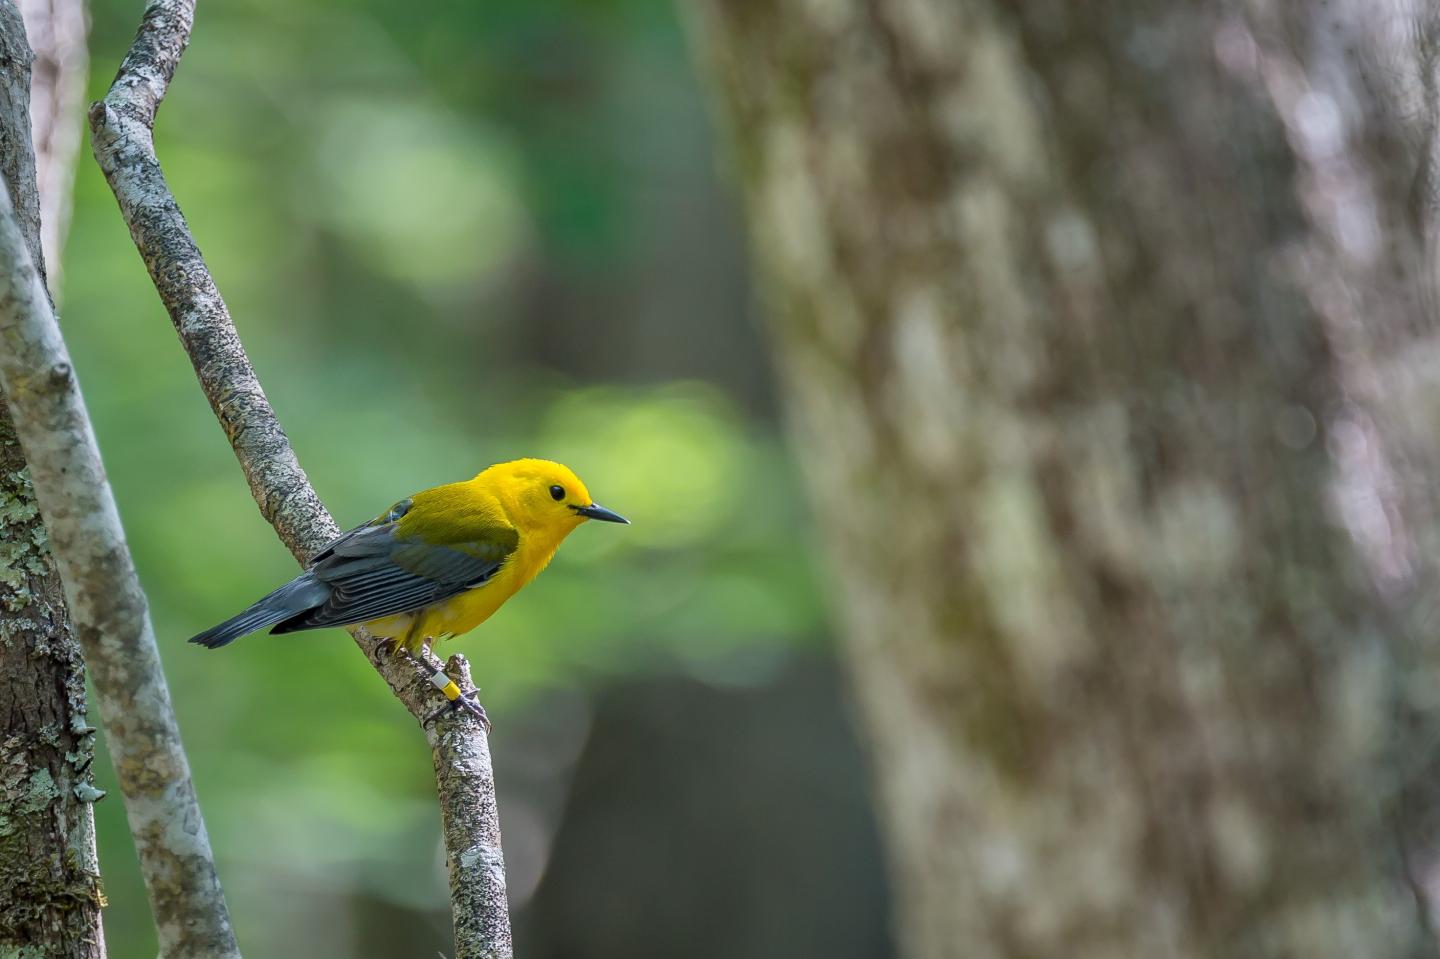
x=434 y=565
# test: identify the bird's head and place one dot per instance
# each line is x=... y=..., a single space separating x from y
x=547 y=496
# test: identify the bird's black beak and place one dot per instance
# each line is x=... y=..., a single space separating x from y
x=596 y=511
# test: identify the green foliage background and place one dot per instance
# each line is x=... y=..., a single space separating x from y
x=450 y=234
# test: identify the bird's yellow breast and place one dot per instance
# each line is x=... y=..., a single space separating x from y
x=462 y=613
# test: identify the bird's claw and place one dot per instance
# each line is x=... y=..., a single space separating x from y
x=470 y=702
x=456 y=700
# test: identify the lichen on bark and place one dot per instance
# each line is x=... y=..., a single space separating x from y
x=50 y=889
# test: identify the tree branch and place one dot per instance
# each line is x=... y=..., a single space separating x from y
x=123 y=129
x=108 y=609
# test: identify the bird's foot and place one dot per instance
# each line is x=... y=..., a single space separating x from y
x=470 y=702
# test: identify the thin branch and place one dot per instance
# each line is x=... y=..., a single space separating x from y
x=108 y=609
x=123 y=130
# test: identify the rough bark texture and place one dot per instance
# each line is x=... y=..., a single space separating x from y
x=50 y=894
x=57 y=30
x=122 y=127
x=465 y=781
x=1111 y=364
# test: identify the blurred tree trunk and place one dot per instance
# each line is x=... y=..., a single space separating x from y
x=1106 y=335
x=49 y=879
x=56 y=29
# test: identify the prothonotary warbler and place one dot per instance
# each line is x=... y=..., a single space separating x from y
x=434 y=565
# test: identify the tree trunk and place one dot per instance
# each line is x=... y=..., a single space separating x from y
x=1106 y=343
x=50 y=894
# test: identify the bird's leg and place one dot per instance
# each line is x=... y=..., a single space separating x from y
x=456 y=700
x=415 y=638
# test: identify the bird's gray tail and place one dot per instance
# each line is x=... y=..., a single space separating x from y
x=302 y=593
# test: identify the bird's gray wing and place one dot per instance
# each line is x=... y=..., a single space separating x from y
x=372 y=572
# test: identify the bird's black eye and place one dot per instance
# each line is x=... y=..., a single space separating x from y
x=557 y=493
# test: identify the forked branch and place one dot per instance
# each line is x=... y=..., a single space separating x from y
x=123 y=133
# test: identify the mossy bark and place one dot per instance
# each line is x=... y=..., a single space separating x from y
x=1106 y=334
x=50 y=894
